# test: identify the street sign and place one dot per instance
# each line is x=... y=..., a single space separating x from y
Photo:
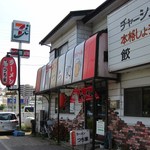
x=20 y=31
x=22 y=53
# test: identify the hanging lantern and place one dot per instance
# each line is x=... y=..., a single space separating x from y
x=62 y=100
x=8 y=71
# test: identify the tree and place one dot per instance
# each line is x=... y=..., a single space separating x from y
x=2 y=106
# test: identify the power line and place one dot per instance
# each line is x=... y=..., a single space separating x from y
x=31 y=65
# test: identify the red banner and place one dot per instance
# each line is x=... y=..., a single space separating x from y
x=84 y=94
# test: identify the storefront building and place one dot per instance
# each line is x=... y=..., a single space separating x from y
x=99 y=72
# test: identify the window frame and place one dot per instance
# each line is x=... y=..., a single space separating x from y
x=138 y=105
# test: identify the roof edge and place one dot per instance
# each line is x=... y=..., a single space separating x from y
x=97 y=10
x=65 y=20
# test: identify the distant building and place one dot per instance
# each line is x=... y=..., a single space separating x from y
x=26 y=90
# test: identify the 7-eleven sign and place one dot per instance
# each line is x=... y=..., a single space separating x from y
x=20 y=31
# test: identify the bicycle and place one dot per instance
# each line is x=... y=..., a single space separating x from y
x=46 y=128
x=50 y=124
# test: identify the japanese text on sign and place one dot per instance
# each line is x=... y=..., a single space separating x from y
x=8 y=71
x=129 y=21
x=134 y=34
x=79 y=137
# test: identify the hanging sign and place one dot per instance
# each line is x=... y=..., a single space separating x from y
x=8 y=71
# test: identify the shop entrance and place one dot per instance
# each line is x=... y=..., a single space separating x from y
x=99 y=115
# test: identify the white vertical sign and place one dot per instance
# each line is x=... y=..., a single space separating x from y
x=78 y=62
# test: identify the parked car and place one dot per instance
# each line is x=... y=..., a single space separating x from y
x=8 y=121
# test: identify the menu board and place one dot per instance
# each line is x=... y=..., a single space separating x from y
x=68 y=67
x=78 y=62
x=54 y=73
x=61 y=68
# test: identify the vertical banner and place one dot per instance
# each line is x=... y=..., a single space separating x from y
x=68 y=67
x=60 y=72
x=38 y=80
x=54 y=73
x=43 y=78
x=78 y=62
x=47 y=76
x=89 y=57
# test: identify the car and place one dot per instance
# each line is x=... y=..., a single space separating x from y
x=8 y=121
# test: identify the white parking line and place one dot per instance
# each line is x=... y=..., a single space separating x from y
x=4 y=145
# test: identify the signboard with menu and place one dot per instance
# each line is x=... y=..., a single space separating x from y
x=79 y=137
x=78 y=62
x=129 y=35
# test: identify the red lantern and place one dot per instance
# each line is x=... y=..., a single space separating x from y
x=62 y=100
x=8 y=71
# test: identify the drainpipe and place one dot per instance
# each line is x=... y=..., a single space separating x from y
x=94 y=111
x=58 y=140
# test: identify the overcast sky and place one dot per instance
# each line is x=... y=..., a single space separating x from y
x=43 y=16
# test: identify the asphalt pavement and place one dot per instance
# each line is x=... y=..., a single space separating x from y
x=28 y=142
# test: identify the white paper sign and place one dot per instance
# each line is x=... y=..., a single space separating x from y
x=100 y=127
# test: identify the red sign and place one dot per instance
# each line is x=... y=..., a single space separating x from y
x=21 y=52
x=8 y=71
x=84 y=94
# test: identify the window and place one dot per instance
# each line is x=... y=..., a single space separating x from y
x=7 y=116
x=137 y=102
x=61 y=50
x=28 y=109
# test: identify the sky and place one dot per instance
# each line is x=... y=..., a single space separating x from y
x=43 y=16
